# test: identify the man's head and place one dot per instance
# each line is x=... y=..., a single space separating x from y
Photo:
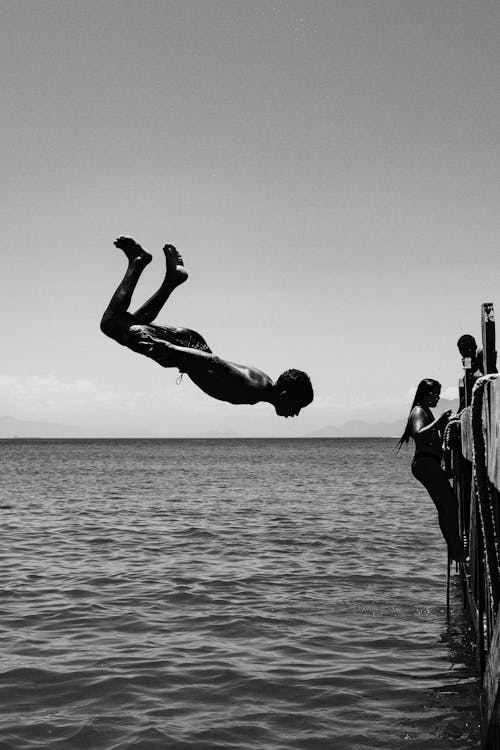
x=467 y=345
x=293 y=391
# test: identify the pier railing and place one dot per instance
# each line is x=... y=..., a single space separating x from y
x=473 y=459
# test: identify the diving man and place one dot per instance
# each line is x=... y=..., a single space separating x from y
x=186 y=349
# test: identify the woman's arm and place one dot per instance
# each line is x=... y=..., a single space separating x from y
x=419 y=424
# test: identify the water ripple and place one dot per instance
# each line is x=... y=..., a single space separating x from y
x=292 y=600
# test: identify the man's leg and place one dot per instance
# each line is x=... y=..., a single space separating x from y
x=175 y=275
x=115 y=321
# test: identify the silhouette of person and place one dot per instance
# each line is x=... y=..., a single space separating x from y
x=186 y=349
x=472 y=360
x=427 y=433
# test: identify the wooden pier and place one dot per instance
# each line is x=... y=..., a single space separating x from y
x=472 y=457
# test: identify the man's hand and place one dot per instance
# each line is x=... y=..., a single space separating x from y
x=161 y=348
x=148 y=339
x=146 y=347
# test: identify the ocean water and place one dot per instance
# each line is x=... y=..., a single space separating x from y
x=247 y=594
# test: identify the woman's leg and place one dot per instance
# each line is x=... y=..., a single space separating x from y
x=175 y=275
x=429 y=473
x=115 y=321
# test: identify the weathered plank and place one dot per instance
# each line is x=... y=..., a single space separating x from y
x=488 y=334
x=490 y=692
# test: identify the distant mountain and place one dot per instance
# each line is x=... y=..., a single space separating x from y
x=11 y=427
x=360 y=428
x=227 y=434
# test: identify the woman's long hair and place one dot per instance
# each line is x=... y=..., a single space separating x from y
x=423 y=389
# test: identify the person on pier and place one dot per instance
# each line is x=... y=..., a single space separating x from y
x=186 y=349
x=427 y=432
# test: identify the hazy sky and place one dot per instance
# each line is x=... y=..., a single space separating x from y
x=329 y=170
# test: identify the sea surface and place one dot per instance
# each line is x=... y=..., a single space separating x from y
x=246 y=594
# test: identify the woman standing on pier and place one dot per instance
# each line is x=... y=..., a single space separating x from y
x=427 y=433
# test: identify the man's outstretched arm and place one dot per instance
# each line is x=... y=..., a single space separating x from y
x=218 y=378
x=223 y=380
x=187 y=359
x=170 y=355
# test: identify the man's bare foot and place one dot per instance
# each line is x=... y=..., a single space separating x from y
x=132 y=249
x=176 y=273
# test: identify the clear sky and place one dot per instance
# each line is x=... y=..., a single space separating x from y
x=329 y=169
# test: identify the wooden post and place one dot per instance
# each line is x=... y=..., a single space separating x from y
x=461 y=394
x=488 y=331
x=468 y=380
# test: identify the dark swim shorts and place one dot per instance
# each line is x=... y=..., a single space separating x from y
x=182 y=337
x=137 y=333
